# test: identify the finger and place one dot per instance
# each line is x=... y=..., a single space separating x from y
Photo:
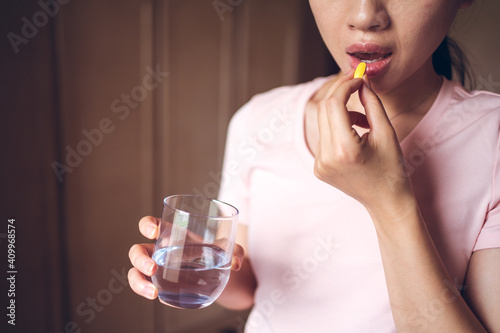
x=140 y=257
x=141 y=285
x=323 y=125
x=148 y=226
x=323 y=121
x=342 y=78
x=238 y=256
x=338 y=115
x=375 y=111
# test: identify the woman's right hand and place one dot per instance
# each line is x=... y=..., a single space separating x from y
x=139 y=276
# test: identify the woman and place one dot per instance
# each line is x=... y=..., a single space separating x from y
x=372 y=207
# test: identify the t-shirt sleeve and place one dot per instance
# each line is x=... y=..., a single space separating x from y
x=235 y=168
x=489 y=237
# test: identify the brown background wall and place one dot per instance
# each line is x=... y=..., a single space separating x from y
x=78 y=92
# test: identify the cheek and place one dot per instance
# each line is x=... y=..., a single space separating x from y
x=423 y=33
x=426 y=21
x=439 y=16
x=330 y=28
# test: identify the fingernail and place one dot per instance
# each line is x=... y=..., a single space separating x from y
x=235 y=265
x=151 y=231
x=149 y=292
x=368 y=84
x=148 y=265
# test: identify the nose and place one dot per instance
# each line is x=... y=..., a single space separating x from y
x=368 y=15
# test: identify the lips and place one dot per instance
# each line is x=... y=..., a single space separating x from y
x=376 y=57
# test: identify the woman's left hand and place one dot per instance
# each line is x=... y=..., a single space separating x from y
x=369 y=168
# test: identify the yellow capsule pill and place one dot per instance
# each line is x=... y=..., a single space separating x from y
x=360 y=70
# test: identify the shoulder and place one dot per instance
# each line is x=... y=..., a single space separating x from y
x=478 y=102
x=460 y=109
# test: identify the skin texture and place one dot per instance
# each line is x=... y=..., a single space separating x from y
x=367 y=164
x=411 y=29
x=237 y=295
x=353 y=127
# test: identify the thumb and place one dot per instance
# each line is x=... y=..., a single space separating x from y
x=238 y=256
x=375 y=112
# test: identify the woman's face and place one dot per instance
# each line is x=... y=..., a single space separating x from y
x=396 y=38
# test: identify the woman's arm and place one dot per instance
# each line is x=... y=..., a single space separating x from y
x=482 y=290
x=370 y=169
x=240 y=289
x=423 y=296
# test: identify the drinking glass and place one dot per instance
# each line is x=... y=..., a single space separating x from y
x=194 y=250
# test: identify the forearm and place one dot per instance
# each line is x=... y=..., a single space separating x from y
x=422 y=294
x=240 y=289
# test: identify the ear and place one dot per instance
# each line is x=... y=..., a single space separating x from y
x=466 y=3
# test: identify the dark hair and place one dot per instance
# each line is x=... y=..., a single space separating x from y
x=449 y=60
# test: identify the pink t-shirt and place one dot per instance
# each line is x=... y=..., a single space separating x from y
x=313 y=249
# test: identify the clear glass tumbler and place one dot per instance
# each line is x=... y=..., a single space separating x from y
x=194 y=250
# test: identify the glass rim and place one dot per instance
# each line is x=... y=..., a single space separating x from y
x=237 y=212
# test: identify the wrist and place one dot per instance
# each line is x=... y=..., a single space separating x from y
x=392 y=214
